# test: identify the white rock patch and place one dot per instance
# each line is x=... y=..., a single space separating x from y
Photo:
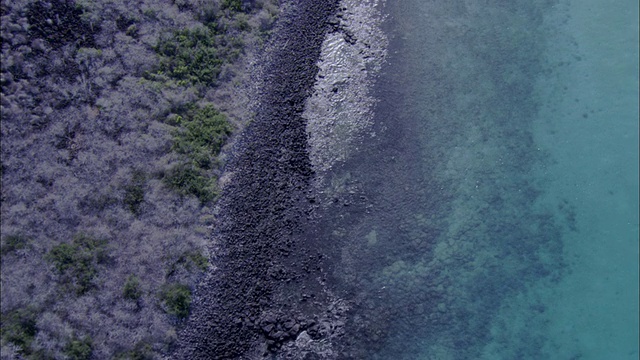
x=339 y=114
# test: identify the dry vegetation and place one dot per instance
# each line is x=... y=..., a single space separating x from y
x=114 y=114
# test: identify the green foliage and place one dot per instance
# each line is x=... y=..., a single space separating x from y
x=12 y=243
x=131 y=290
x=150 y=13
x=189 y=260
x=141 y=351
x=78 y=261
x=79 y=349
x=233 y=5
x=88 y=57
x=19 y=327
x=134 y=192
x=176 y=299
x=132 y=31
x=199 y=260
x=189 y=180
x=241 y=23
x=192 y=55
x=202 y=134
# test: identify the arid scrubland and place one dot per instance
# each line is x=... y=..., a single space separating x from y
x=114 y=114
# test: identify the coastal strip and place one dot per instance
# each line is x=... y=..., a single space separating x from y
x=254 y=245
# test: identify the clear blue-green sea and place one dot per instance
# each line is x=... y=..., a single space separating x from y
x=503 y=180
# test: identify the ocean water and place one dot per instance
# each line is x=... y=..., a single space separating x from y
x=501 y=186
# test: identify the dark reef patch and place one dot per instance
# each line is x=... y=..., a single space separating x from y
x=264 y=288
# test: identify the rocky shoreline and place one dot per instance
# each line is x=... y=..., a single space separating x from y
x=267 y=279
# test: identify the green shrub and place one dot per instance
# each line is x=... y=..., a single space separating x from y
x=202 y=133
x=79 y=349
x=196 y=55
x=189 y=260
x=141 y=351
x=189 y=180
x=131 y=290
x=132 y=31
x=241 y=22
x=150 y=13
x=176 y=299
x=12 y=243
x=200 y=136
x=199 y=260
x=208 y=13
x=233 y=5
x=191 y=55
x=19 y=327
x=134 y=192
x=77 y=262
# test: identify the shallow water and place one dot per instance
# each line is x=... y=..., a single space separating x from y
x=495 y=213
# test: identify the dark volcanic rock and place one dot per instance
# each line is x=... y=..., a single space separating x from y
x=260 y=255
x=60 y=22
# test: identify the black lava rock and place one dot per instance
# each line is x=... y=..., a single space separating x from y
x=261 y=244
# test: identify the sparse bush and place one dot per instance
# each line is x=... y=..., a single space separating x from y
x=12 y=243
x=177 y=300
x=241 y=22
x=150 y=13
x=79 y=349
x=19 y=327
x=208 y=12
x=199 y=260
x=131 y=289
x=132 y=31
x=78 y=261
x=189 y=260
x=89 y=58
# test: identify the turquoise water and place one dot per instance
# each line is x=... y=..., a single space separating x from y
x=503 y=184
